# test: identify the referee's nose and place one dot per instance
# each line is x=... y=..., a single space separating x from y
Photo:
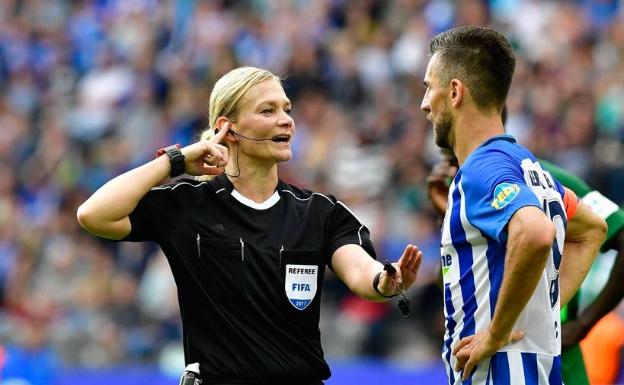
x=285 y=120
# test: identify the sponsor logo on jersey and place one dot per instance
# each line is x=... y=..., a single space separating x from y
x=300 y=284
x=504 y=193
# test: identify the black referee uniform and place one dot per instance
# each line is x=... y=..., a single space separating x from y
x=249 y=275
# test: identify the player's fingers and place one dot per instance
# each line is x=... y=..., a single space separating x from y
x=515 y=335
x=461 y=358
x=463 y=342
x=470 y=364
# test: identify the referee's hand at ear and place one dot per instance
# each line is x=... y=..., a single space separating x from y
x=406 y=271
x=207 y=157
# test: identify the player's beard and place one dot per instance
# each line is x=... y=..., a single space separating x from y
x=442 y=130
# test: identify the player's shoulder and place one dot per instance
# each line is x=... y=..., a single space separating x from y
x=497 y=154
x=302 y=195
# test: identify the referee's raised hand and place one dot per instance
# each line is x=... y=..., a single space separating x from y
x=207 y=157
x=406 y=272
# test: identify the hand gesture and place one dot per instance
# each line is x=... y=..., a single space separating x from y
x=207 y=157
x=471 y=350
x=438 y=182
x=406 y=271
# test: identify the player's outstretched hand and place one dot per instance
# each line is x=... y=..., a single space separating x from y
x=471 y=350
x=207 y=157
x=406 y=272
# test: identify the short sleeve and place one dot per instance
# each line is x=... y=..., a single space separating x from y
x=344 y=228
x=160 y=210
x=494 y=187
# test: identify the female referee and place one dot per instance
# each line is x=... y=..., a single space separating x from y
x=247 y=250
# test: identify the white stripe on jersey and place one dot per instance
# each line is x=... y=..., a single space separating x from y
x=482 y=316
x=544 y=366
x=480 y=267
x=516 y=368
x=454 y=286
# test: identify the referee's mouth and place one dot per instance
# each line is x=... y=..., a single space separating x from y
x=283 y=138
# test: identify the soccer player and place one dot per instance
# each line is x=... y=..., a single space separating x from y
x=507 y=223
x=248 y=251
x=575 y=326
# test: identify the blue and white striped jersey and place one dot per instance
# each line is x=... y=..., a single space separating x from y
x=495 y=181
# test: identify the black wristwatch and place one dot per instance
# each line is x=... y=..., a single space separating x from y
x=176 y=159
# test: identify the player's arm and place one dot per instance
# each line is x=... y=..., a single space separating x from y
x=357 y=270
x=106 y=212
x=607 y=300
x=530 y=238
x=585 y=233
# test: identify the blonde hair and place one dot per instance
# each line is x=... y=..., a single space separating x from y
x=227 y=93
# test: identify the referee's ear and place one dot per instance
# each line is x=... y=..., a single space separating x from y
x=224 y=123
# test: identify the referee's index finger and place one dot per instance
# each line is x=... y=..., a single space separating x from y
x=221 y=133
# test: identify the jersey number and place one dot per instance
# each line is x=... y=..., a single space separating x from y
x=555 y=211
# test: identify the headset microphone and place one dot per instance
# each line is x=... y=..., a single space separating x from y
x=248 y=138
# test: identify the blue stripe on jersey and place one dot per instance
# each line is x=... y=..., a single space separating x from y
x=500 y=369
x=554 y=378
x=450 y=326
x=529 y=365
x=495 y=268
x=464 y=254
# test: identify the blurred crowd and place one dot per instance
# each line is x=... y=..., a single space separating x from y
x=90 y=89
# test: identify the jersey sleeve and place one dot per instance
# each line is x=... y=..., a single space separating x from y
x=495 y=189
x=344 y=228
x=158 y=212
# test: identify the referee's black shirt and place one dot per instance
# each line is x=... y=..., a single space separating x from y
x=241 y=319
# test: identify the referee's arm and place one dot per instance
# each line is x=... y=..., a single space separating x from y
x=357 y=270
x=106 y=212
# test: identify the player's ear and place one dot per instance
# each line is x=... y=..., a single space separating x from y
x=456 y=92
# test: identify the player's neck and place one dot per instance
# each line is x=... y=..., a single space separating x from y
x=472 y=130
x=256 y=183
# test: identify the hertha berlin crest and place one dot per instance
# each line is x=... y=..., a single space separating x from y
x=301 y=284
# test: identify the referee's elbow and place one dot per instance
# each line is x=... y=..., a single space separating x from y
x=84 y=217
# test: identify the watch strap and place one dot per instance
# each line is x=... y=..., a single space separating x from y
x=176 y=159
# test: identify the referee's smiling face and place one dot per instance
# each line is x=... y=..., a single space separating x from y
x=265 y=114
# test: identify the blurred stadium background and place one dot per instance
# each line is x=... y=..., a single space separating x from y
x=90 y=89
